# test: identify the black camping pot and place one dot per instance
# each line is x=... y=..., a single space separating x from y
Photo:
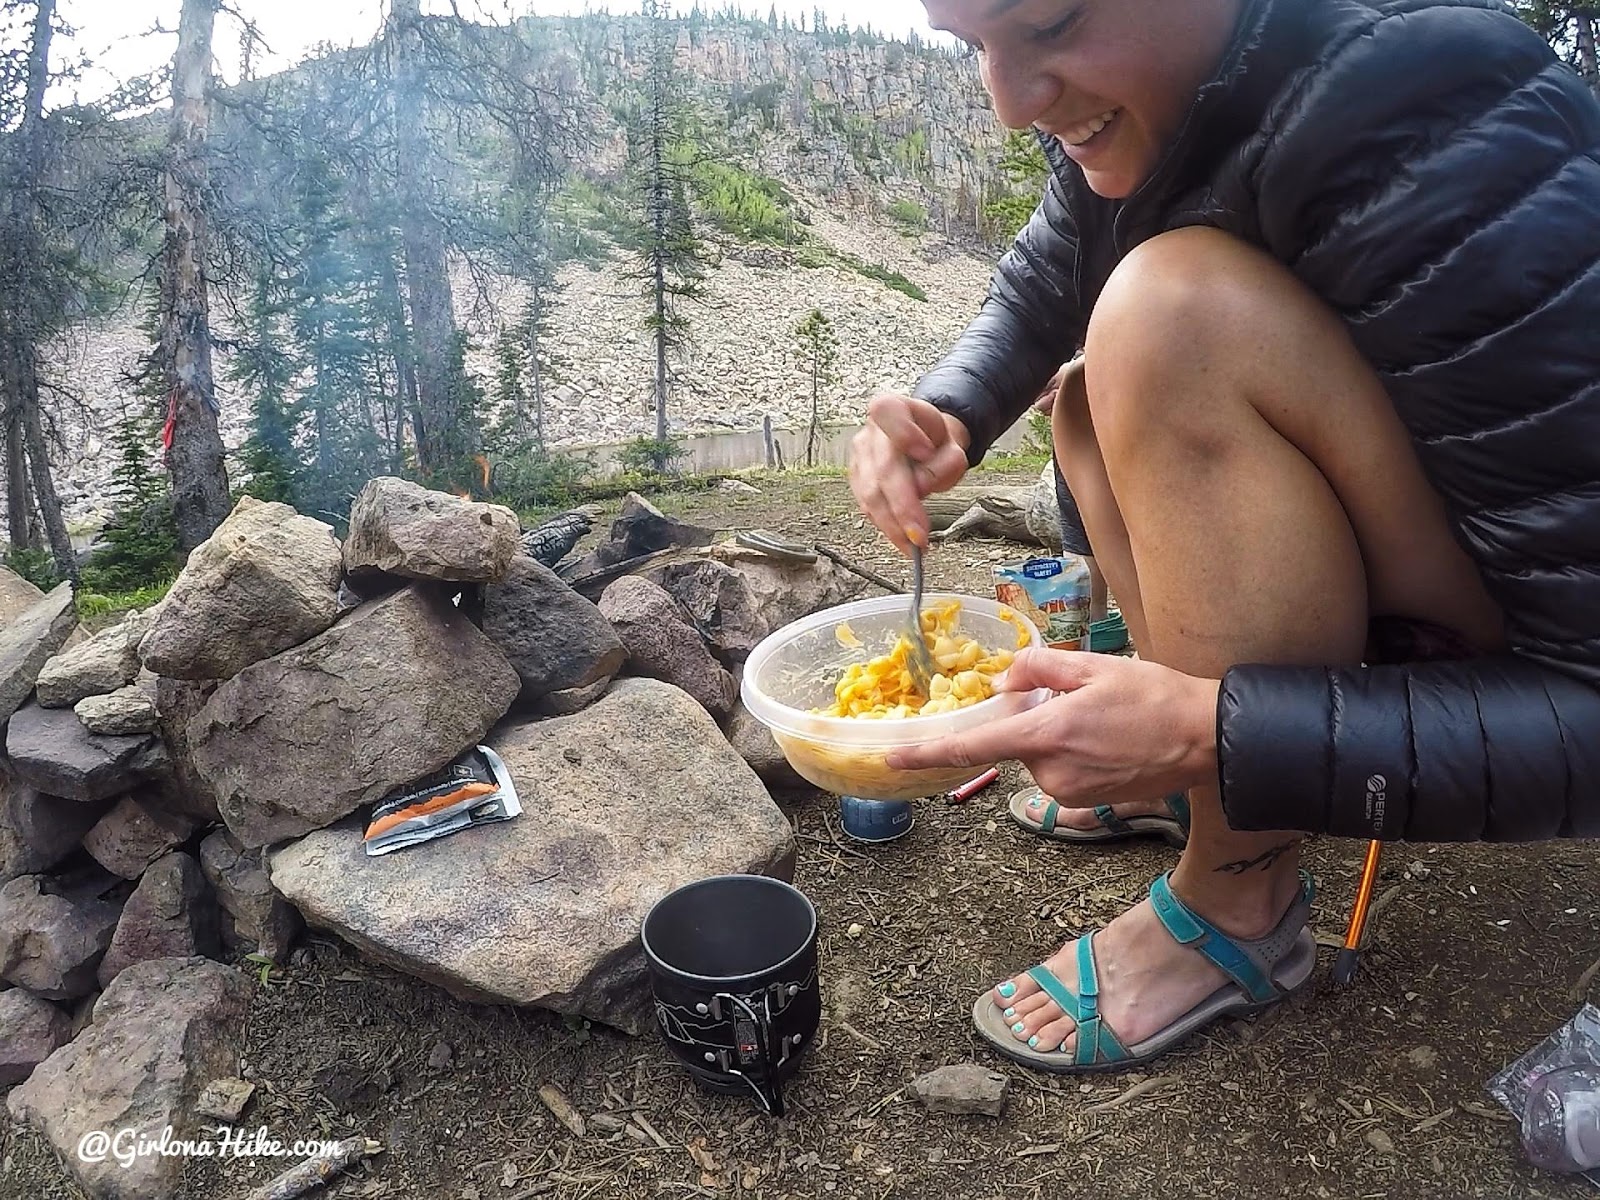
x=733 y=965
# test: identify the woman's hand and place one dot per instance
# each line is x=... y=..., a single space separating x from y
x=1118 y=730
x=907 y=450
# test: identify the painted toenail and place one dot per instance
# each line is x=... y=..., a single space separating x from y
x=1018 y=1027
x=1011 y=1012
x=1007 y=990
x=1063 y=1046
x=1033 y=1043
x=1036 y=803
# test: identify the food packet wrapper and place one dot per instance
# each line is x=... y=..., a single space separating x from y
x=1578 y=1041
x=1053 y=593
x=475 y=789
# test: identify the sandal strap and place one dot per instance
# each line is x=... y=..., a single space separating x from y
x=1178 y=803
x=1108 y=817
x=1248 y=962
x=1096 y=1043
x=1047 y=823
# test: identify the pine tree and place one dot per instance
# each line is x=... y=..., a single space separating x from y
x=669 y=254
x=139 y=544
x=817 y=350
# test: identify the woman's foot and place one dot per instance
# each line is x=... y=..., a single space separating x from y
x=1164 y=818
x=1147 y=980
x=1086 y=819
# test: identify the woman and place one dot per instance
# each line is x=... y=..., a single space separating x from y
x=1336 y=445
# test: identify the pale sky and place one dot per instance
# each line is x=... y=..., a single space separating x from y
x=130 y=37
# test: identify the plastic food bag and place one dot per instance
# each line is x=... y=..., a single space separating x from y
x=1576 y=1042
x=1051 y=592
x=475 y=789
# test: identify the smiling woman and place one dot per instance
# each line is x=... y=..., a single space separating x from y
x=1335 y=440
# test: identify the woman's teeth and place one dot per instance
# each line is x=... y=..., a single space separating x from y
x=1080 y=135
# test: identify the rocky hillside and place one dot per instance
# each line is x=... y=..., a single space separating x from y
x=854 y=131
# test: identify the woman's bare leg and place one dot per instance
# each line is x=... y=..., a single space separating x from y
x=1251 y=497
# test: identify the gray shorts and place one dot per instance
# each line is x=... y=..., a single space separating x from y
x=1073 y=538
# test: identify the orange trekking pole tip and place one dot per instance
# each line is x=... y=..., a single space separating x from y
x=1344 y=967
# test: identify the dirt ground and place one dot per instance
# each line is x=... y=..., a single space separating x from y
x=1371 y=1090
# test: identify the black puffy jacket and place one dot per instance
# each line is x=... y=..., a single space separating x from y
x=1432 y=172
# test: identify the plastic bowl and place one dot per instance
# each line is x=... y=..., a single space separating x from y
x=794 y=671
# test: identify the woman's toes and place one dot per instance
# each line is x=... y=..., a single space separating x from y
x=1053 y=1035
x=1014 y=991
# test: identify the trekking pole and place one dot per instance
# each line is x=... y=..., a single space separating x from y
x=1344 y=967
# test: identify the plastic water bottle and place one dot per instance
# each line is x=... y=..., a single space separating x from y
x=1561 y=1124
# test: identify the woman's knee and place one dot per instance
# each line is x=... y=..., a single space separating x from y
x=1198 y=313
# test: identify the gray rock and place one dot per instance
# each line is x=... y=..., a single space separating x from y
x=394 y=691
x=755 y=744
x=963 y=1089
x=780 y=589
x=737 y=487
x=662 y=644
x=50 y=749
x=17 y=596
x=553 y=637
x=161 y=1032
x=37 y=830
x=133 y=835
x=721 y=602
x=49 y=944
x=30 y=641
x=255 y=915
x=266 y=580
x=224 y=1099
x=107 y=661
x=400 y=528
x=177 y=701
x=571 y=883
x=171 y=914
x=126 y=711
x=31 y=1030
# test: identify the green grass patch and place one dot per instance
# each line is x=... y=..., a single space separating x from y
x=96 y=606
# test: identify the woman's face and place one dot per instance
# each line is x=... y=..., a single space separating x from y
x=1111 y=80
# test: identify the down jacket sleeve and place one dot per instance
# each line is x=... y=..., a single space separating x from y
x=1435 y=178
x=1029 y=325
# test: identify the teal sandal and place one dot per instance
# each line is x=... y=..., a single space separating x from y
x=1261 y=972
x=1112 y=828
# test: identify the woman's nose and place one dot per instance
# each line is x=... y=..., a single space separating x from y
x=1022 y=90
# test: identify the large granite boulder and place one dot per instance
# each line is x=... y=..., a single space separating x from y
x=554 y=638
x=266 y=580
x=31 y=640
x=31 y=1030
x=107 y=661
x=546 y=909
x=38 y=830
x=52 y=750
x=394 y=691
x=401 y=528
x=171 y=914
x=721 y=602
x=51 y=944
x=255 y=916
x=662 y=644
x=161 y=1033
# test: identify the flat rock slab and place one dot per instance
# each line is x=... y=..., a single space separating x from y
x=30 y=641
x=401 y=528
x=50 y=749
x=266 y=580
x=392 y=692
x=161 y=1033
x=126 y=712
x=546 y=909
x=107 y=661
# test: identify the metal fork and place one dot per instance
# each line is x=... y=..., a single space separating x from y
x=920 y=662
